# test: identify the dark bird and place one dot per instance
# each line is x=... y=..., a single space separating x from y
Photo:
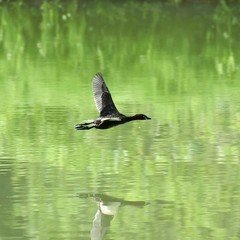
x=109 y=115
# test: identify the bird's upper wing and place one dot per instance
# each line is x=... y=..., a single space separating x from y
x=102 y=96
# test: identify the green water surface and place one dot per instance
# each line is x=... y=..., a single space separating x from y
x=176 y=176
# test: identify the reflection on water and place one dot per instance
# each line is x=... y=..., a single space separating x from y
x=107 y=209
x=183 y=66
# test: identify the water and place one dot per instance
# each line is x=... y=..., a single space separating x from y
x=174 y=177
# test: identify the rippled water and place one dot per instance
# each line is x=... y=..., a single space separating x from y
x=174 y=177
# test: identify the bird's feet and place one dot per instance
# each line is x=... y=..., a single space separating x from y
x=83 y=126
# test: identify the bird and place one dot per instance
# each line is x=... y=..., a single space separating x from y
x=109 y=115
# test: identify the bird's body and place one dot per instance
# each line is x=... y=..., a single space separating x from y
x=109 y=115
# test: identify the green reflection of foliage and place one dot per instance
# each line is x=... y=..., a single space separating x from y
x=226 y=24
x=85 y=34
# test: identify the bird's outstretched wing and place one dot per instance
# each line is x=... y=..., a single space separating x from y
x=102 y=96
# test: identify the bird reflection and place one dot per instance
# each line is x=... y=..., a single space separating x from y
x=107 y=208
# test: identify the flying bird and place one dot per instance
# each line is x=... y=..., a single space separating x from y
x=109 y=115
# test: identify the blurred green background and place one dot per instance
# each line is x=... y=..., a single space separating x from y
x=175 y=61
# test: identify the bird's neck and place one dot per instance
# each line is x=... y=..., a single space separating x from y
x=131 y=118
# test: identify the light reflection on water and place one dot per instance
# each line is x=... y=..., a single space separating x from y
x=158 y=162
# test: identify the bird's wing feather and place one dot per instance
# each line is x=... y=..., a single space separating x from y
x=102 y=96
x=111 y=119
